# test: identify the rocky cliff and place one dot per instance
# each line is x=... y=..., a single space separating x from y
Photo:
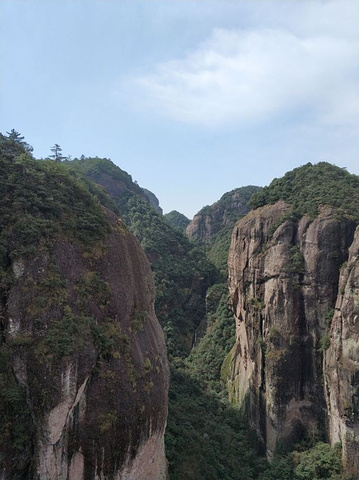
x=224 y=213
x=153 y=200
x=83 y=364
x=341 y=366
x=284 y=269
x=212 y=226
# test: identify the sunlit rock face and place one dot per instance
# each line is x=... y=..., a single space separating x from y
x=284 y=285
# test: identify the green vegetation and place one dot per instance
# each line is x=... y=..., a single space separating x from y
x=16 y=427
x=18 y=139
x=92 y=288
x=43 y=203
x=324 y=343
x=205 y=438
x=107 y=421
x=318 y=463
x=177 y=220
x=138 y=320
x=71 y=334
x=310 y=187
x=206 y=359
x=49 y=202
x=204 y=434
x=296 y=264
x=101 y=171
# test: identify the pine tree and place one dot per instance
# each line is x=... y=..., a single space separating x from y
x=57 y=153
x=17 y=138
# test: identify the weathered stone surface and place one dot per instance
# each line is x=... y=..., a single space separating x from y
x=283 y=277
x=221 y=215
x=341 y=365
x=96 y=415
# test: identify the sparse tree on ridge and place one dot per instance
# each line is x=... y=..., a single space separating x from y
x=57 y=153
x=17 y=138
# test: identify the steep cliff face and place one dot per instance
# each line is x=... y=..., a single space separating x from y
x=83 y=364
x=222 y=214
x=284 y=269
x=284 y=282
x=341 y=366
x=153 y=201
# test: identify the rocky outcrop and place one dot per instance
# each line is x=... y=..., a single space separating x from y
x=95 y=371
x=153 y=201
x=283 y=278
x=222 y=214
x=83 y=364
x=341 y=366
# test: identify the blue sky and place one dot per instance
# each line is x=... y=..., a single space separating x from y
x=192 y=98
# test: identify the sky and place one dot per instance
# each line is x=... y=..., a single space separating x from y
x=192 y=98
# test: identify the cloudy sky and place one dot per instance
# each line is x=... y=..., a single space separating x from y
x=192 y=98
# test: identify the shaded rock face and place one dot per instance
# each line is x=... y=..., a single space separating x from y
x=341 y=366
x=88 y=350
x=153 y=201
x=283 y=278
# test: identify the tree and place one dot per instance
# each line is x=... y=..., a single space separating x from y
x=17 y=138
x=318 y=463
x=57 y=153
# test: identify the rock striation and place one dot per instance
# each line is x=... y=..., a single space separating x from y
x=341 y=365
x=285 y=283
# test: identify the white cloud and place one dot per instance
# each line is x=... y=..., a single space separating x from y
x=244 y=77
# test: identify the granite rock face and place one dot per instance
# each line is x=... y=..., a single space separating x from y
x=341 y=366
x=90 y=354
x=284 y=284
x=223 y=214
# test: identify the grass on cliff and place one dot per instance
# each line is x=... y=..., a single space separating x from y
x=310 y=187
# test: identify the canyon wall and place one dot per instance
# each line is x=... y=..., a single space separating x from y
x=284 y=285
x=341 y=366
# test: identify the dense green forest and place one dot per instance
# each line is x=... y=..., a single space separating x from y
x=206 y=438
x=310 y=187
x=177 y=220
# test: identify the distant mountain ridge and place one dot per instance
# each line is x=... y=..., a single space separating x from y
x=177 y=220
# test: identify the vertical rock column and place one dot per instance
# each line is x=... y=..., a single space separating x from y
x=342 y=364
x=283 y=277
